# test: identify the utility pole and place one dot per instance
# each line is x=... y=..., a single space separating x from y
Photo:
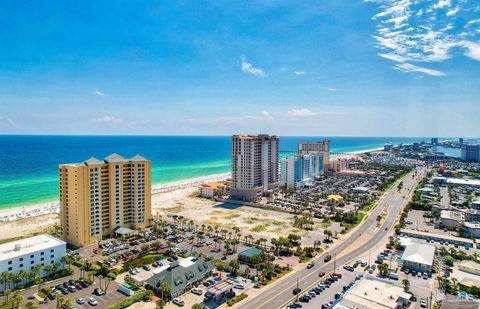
x=335 y=263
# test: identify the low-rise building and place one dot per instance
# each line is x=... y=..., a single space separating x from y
x=181 y=275
x=374 y=293
x=360 y=190
x=25 y=254
x=472 y=229
x=246 y=255
x=451 y=219
x=419 y=257
x=212 y=189
x=470 y=267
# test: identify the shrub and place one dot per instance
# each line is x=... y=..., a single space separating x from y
x=236 y=299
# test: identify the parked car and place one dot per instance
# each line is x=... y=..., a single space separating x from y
x=92 y=301
x=98 y=292
x=423 y=303
x=321 y=274
x=197 y=291
x=178 y=301
x=310 y=265
x=80 y=301
x=296 y=291
x=239 y=286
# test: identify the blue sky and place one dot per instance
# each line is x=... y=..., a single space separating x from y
x=343 y=67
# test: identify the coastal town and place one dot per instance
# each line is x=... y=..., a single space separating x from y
x=395 y=227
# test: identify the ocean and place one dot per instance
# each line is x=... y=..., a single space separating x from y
x=29 y=163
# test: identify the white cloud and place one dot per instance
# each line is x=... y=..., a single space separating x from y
x=331 y=89
x=453 y=11
x=108 y=119
x=405 y=36
x=442 y=4
x=98 y=93
x=408 y=67
x=8 y=121
x=473 y=50
x=300 y=112
x=266 y=115
x=299 y=72
x=247 y=67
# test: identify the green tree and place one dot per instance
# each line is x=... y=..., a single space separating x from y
x=406 y=285
x=383 y=268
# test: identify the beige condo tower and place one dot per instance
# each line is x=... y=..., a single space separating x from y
x=98 y=197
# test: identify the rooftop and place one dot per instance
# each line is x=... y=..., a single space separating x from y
x=251 y=252
x=113 y=158
x=373 y=293
x=419 y=253
x=465 y=182
x=28 y=245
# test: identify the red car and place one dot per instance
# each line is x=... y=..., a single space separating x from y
x=321 y=274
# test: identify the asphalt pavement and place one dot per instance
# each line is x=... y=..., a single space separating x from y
x=280 y=293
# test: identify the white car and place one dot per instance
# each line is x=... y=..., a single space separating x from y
x=92 y=301
x=240 y=286
x=178 y=301
x=423 y=303
x=197 y=291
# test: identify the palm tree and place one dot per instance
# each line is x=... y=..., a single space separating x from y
x=59 y=298
x=165 y=290
x=109 y=278
x=5 y=279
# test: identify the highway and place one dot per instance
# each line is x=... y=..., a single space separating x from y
x=279 y=293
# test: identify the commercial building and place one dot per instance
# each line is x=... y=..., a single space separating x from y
x=181 y=275
x=321 y=151
x=255 y=166
x=297 y=171
x=434 y=140
x=470 y=152
x=25 y=254
x=360 y=190
x=374 y=293
x=246 y=255
x=387 y=147
x=98 y=196
x=419 y=257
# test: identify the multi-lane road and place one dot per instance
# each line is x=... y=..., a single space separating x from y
x=279 y=293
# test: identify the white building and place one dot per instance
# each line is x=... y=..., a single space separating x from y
x=451 y=219
x=374 y=293
x=419 y=257
x=28 y=252
x=255 y=166
x=297 y=171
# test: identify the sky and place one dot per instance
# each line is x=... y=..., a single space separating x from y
x=336 y=68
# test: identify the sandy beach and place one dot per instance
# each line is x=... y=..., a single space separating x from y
x=177 y=197
x=33 y=219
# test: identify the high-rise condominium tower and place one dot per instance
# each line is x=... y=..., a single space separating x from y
x=98 y=197
x=254 y=165
x=321 y=150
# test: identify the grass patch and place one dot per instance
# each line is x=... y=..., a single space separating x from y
x=250 y=220
x=326 y=225
x=360 y=217
x=278 y=223
x=369 y=207
x=259 y=228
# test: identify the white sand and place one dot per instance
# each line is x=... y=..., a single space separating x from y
x=30 y=219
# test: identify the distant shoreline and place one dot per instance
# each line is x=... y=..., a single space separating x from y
x=52 y=207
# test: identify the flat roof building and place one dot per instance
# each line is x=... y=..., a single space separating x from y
x=374 y=293
x=25 y=254
x=98 y=196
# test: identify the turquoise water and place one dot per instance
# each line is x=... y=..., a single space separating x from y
x=29 y=164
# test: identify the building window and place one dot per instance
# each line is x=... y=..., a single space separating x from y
x=42 y=253
x=9 y=262
x=9 y=269
x=31 y=256
x=42 y=259
x=31 y=262
x=21 y=259
x=21 y=265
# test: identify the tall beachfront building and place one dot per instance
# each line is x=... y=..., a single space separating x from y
x=470 y=152
x=298 y=171
x=322 y=152
x=254 y=165
x=99 y=197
